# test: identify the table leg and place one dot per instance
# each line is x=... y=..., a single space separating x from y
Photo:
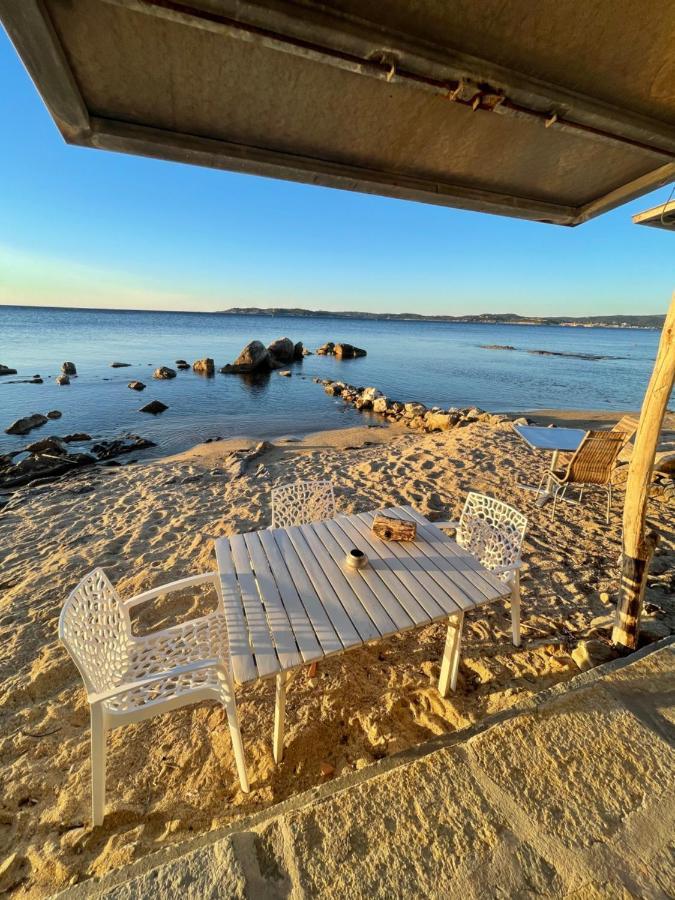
x=450 y=664
x=547 y=493
x=280 y=716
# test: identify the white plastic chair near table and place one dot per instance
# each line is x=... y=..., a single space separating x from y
x=130 y=678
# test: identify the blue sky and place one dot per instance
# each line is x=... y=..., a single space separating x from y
x=80 y=227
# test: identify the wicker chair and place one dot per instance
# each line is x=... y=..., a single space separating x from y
x=627 y=425
x=592 y=464
x=130 y=678
x=302 y=502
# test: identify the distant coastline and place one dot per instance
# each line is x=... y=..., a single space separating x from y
x=616 y=321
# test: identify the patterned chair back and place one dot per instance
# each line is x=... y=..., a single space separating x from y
x=96 y=630
x=491 y=531
x=302 y=502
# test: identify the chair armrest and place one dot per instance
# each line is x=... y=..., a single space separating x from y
x=512 y=567
x=159 y=676
x=449 y=525
x=172 y=586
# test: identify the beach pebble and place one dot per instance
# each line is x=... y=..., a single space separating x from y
x=68 y=368
x=23 y=426
x=63 y=379
x=136 y=385
x=54 y=414
x=154 y=407
x=164 y=372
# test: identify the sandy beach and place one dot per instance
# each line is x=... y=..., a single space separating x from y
x=174 y=777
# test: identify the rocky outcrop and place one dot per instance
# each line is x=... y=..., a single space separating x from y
x=154 y=407
x=64 y=378
x=48 y=445
x=164 y=372
x=204 y=366
x=68 y=368
x=282 y=350
x=182 y=364
x=348 y=351
x=119 y=365
x=340 y=351
x=26 y=424
x=136 y=385
x=412 y=414
x=42 y=466
x=254 y=357
x=5 y=370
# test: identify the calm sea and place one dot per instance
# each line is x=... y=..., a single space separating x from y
x=437 y=364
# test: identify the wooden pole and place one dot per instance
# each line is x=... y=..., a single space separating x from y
x=638 y=547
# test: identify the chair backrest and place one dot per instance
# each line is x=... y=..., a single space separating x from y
x=302 y=502
x=594 y=458
x=491 y=530
x=628 y=425
x=96 y=630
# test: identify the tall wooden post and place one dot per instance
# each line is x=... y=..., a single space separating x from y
x=638 y=547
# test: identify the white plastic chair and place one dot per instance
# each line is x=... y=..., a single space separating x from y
x=130 y=678
x=493 y=532
x=302 y=502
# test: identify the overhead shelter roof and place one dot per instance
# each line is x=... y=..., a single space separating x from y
x=661 y=216
x=555 y=111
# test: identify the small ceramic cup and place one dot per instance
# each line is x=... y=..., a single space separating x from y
x=356 y=559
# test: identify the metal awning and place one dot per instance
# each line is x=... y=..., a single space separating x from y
x=553 y=111
x=662 y=216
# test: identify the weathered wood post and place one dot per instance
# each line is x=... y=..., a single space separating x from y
x=638 y=547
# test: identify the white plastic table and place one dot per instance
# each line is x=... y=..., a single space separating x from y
x=556 y=441
x=290 y=601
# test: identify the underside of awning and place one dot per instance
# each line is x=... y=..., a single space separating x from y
x=554 y=111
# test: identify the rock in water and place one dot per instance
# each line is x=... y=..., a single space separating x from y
x=286 y=373
x=282 y=350
x=204 y=366
x=299 y=351
x=164 y=372
x=325 y=349
x=254 y=356
x=54 y=414
x=23 y=426
x=348 y=351
x=182 y=364
x=63 y=379
x=76 y=437
x=68 y=368
x=119 y=365
x=109 y=449
x=136 y=385
x=154 y=407
x=5 y=370
x=48 y=445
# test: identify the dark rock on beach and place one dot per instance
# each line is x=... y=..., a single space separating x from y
x=26 y=424
x=154 y=407
x=42 y=466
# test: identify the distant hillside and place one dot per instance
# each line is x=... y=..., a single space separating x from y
x=618 y=321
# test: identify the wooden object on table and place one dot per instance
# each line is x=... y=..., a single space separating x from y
x=390 y=529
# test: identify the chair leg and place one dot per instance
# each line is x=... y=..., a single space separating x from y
x=228 y=701
x=609 y=501
x=515 y=610
x=279 y=717
x=450 y=664
x=98 y=760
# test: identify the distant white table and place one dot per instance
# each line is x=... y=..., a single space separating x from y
x=289 y=601
x=554 y=440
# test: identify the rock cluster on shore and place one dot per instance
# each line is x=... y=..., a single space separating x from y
x=412 y=414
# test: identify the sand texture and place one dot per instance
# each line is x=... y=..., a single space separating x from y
x=173 y=777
